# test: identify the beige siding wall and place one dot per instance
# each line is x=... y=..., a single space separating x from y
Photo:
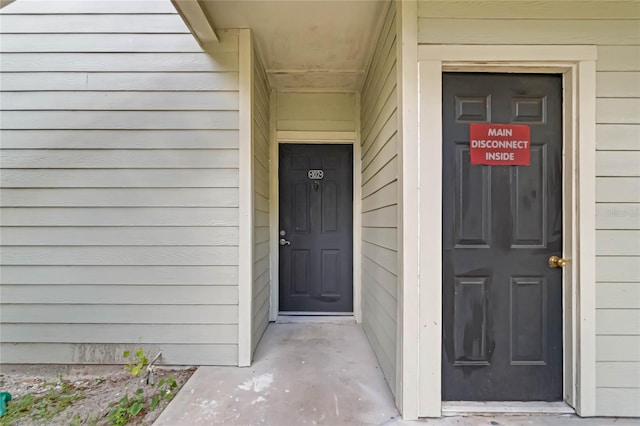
x=261 y=196
x=380 y=194
x=119 y=185
x=615 y=28
x=316 y=111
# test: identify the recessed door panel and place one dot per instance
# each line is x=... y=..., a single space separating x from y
x=529 y=201
x=330 y=207
x=300 y=272
x=473 y=108
x=330 y=276
x=300 y=207
x=472 y=210
x=470 y=321
x=528 y=320
x=502 y=302
x=529 y=109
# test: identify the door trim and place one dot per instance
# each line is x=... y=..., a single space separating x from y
x=245 y=198
x=577 y=65
x=311 y=137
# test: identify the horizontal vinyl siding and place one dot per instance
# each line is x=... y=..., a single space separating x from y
x=380 y=200
x=74 y=7
x=316 y=111
x=104 y=353
x=119 y=185
x=615 y=28
x=261 y=200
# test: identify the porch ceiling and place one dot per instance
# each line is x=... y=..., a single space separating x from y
x=306 y=44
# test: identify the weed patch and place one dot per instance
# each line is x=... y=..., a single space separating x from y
x=131 y=406
x=43 y=407
x=87 y=395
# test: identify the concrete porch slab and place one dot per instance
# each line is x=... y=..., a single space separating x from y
x=317 y=374
x=303 y=374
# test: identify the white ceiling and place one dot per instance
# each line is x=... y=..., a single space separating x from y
x=307 y=44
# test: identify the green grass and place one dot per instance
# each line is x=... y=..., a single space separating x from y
x=42 y=407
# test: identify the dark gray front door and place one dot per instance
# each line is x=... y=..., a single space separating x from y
x=502 y=303
x=316 y=228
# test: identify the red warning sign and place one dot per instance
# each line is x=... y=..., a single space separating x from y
x=500 y=144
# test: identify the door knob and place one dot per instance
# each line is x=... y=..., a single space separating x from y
x=284 y=242
x=557 y=262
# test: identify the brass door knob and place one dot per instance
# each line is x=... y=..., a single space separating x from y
x=557 y=262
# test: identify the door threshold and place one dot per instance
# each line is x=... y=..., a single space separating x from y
x=314 y=314
x=315 y=318
x=464 y=408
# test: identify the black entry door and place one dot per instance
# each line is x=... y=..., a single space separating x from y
x=502 y=303
x=316 y=228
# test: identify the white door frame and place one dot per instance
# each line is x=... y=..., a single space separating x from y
x=312 y=137
x=577 y=65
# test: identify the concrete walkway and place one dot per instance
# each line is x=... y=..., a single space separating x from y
x=313 y=374
x=302 y=374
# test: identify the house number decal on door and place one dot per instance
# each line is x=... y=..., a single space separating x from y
x=500 y=144
x=315 y=174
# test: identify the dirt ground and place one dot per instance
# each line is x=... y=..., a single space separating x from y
x=91 y=389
